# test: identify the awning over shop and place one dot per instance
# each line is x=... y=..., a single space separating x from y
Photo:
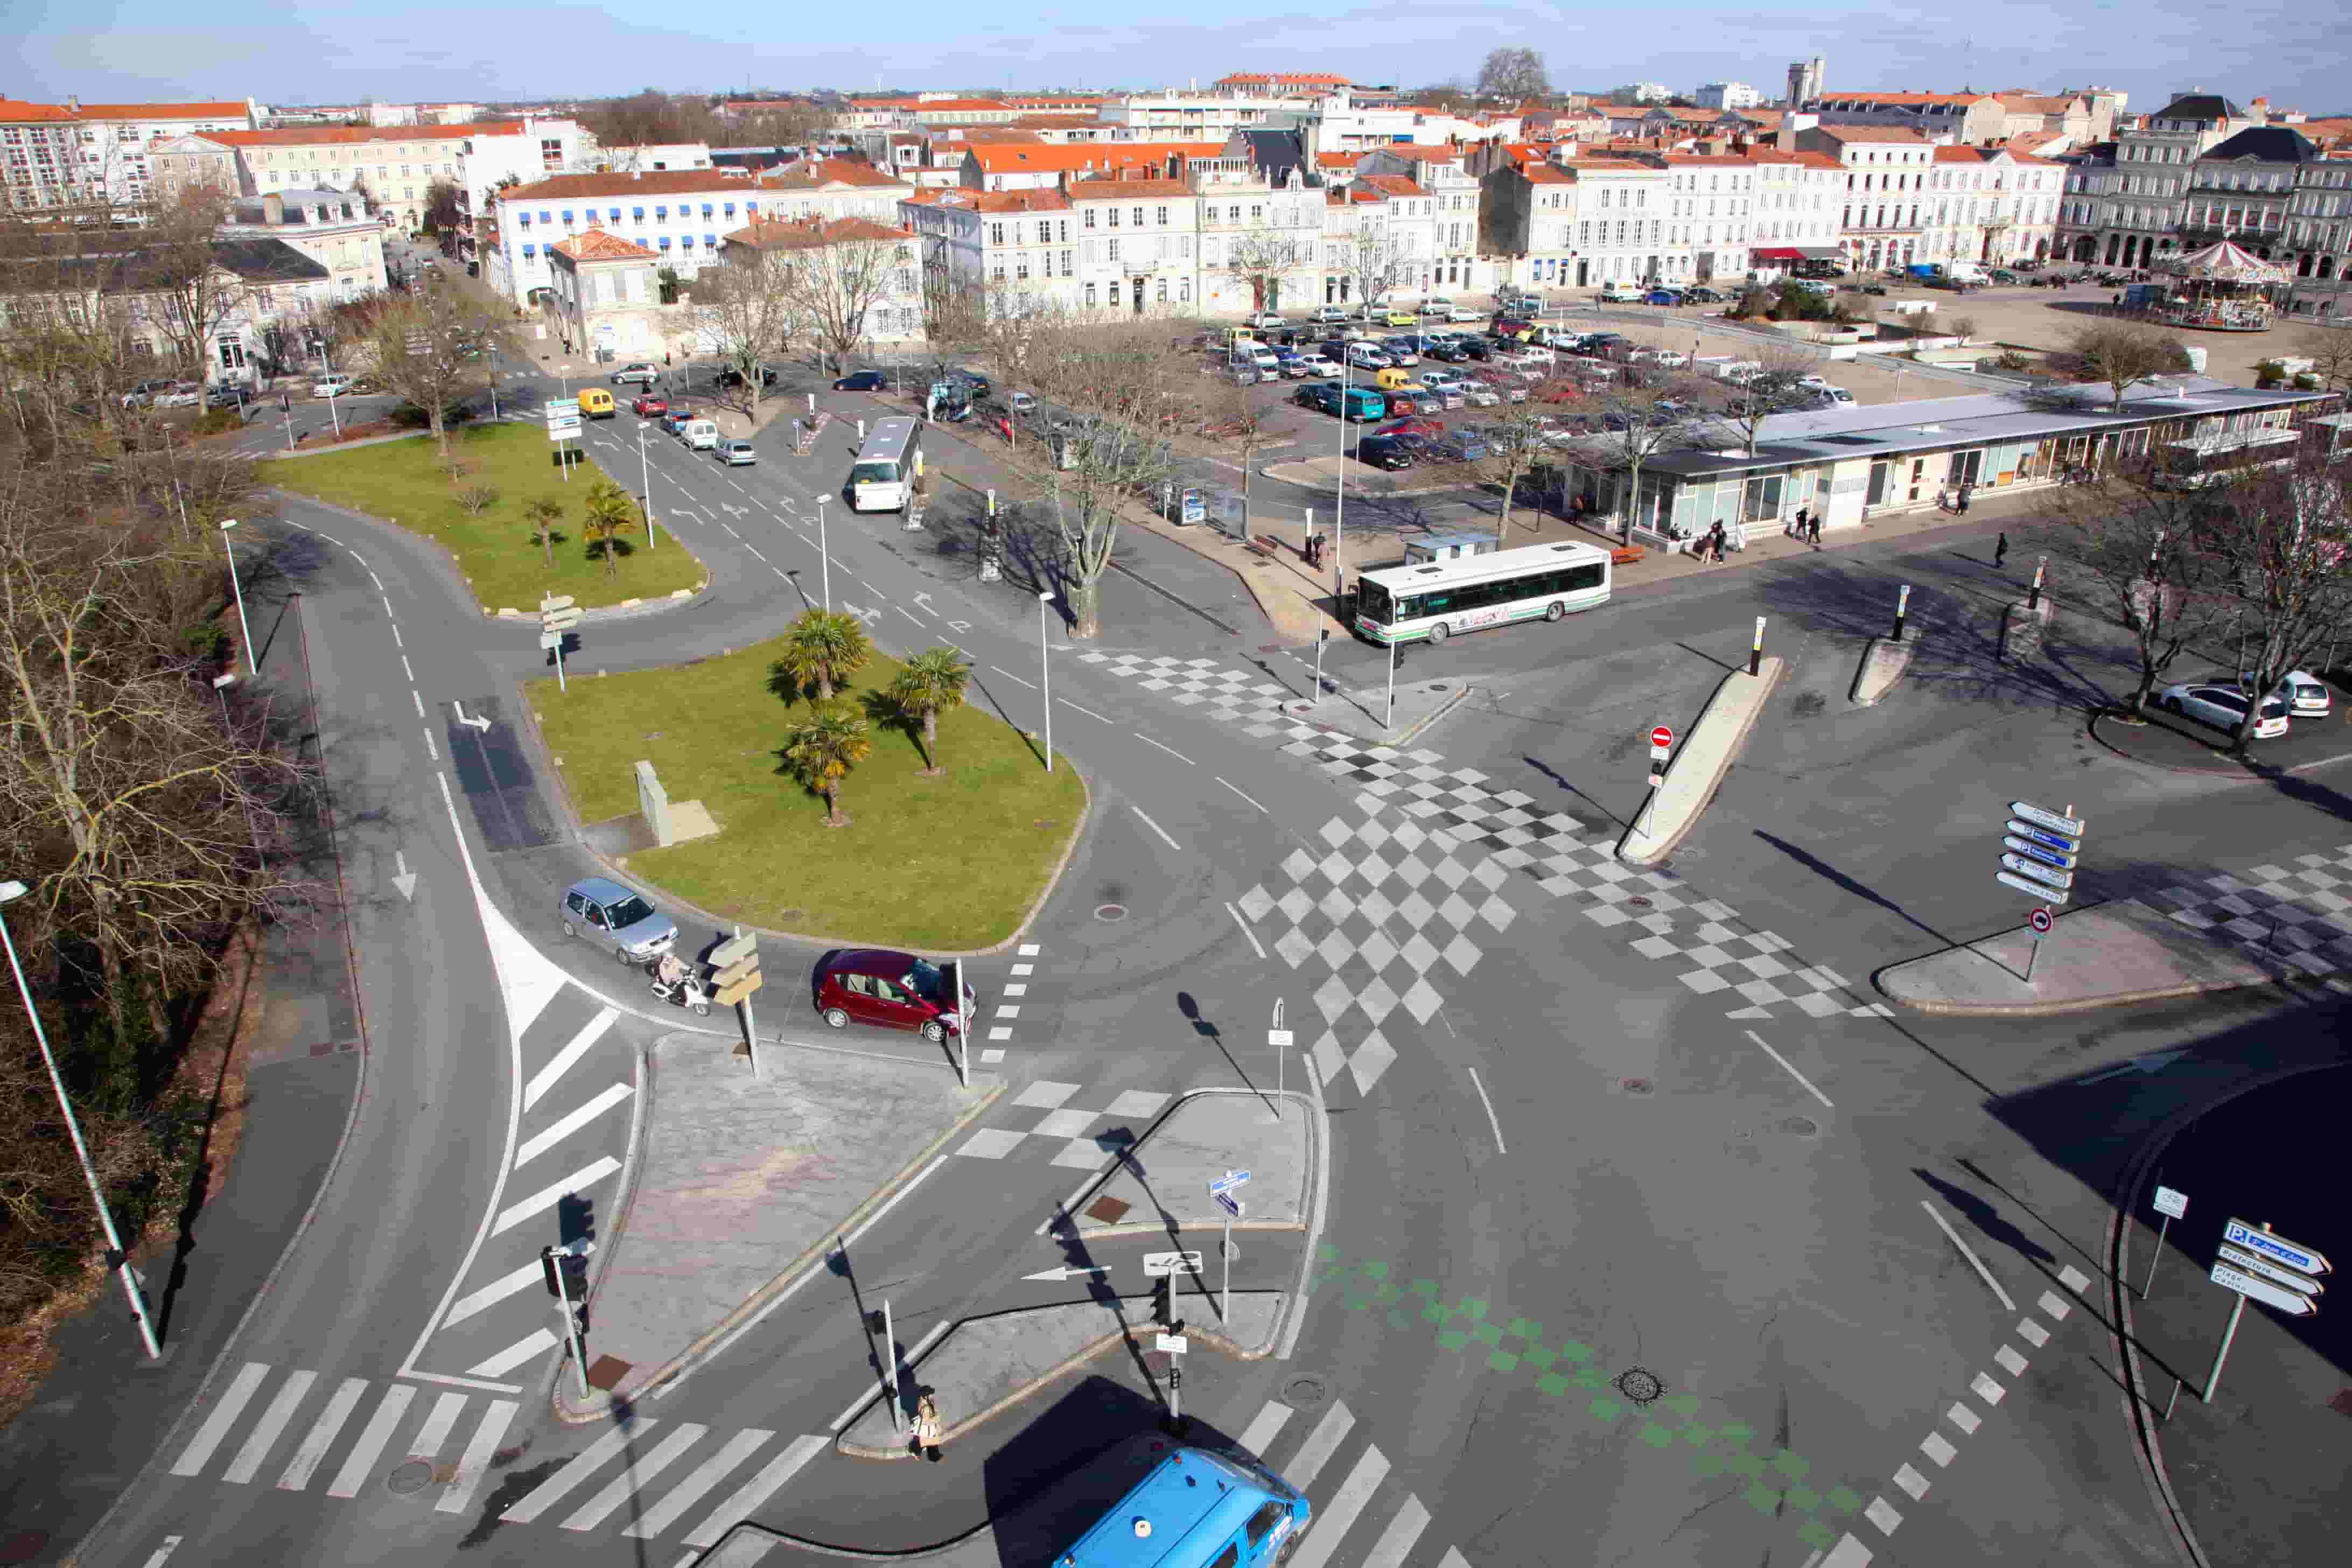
x=1797 y=253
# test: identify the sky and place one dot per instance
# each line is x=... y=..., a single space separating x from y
x=336 y=52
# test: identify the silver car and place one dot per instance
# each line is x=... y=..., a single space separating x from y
x=2223 y=707
x=605 y=912
x=736 y=454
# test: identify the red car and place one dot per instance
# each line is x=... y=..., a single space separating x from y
x=645 y=406
x=1510 y=327
x=892 y=990
x=1416 y=426
x=1400 y=403
x=1559 y=390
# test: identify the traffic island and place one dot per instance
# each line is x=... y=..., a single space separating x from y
x=1364 y=711
x=2107 y=956
x=743 y=1185
x=986 y=1366
x=1884 y=661
x=1700 y=763
x=1159 y=1184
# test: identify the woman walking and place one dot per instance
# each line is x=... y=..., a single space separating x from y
x=927 y=1426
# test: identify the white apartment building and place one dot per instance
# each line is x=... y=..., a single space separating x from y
x=1136 y=244
x=1710 y=219
x=330 y=227
x=1261 y=224
x=833 y=188
x=1800 y=206
x=1887 y=167
x=895 y=314
x=2124 y=212
x=1623 y=211
x=1442 y=174
x=651 y=157
x=1727 y=95
x=995 y=243
x=679 y=216
x=1991 y=205
x=396 y=166
x=70 y=153
x=1175 y=116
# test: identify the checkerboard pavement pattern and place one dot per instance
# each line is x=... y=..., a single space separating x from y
x=1244 y=698
x=1079 y=1138
x=2300 y=915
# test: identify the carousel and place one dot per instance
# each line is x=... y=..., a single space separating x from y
x=2220 y=289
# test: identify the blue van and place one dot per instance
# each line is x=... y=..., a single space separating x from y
x=1361 y=402
x=1196 y=1509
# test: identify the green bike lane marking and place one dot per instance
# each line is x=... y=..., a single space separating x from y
x=1774 y=1479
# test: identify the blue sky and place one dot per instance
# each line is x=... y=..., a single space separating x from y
x=338 y=50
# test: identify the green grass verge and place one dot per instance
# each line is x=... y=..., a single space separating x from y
x=401 y=482
x=943 y=864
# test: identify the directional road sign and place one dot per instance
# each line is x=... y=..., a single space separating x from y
x=2277 y=1249
x=2053 y=841
x=2043 y=874
x=1230 y=1204
x=2047 y=894
x=2246 y=1285
x=2041 y=922
x=561 y=407
x=1158 y=1264
x=2035 y=852
x=2246 y=1262
x=2070 y=825
x=2169 y=1202
x=1172 y=1343
x=1229 y=1180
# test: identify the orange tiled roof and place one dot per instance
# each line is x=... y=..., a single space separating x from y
x=597 y=246
x=1013 y=158
x=1337 y=160
x=1872 y=133
x=652 y=183
x=801 y=234
x=1112 y=190
x=809 y=174
x=323 y=135
x=15 y=111
x=933 y=103
x=1047 y=199
x=159 y=110
x=1392 y=185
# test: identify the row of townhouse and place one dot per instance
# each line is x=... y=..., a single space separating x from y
x=75 y=154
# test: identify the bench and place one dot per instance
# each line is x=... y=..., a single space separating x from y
x=1267 y=545
x=1626 y=555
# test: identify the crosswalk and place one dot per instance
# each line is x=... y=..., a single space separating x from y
x=289 y=1428
x=1364 y=1517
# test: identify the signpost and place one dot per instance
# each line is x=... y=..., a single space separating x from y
x=2247 y=1263
x=558 y=614
x=1222 y=1189
x=1278 y=1038
x=562 y=425
x=2277 y=1249
x=737 y=962
x=2171 y=1204
x=2040 y=849
x=2246 y=1249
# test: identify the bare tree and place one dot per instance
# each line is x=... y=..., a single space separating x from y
x=2329 y=350
x=1518 y=439
x=955 y=308
x=740 y=307
x=1772 y=388
x=423 y=347
x=1263 y=255
x=2122 y=354
x=1372 y=256
x=445 y=213
x=187 y=294
x=835 y=275
x=1514 y=74
x=2143 y=551
x=1637 y=422
x=2284 y=545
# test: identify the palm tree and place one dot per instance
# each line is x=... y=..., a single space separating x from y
x=823 y=749
x=929 y=685
x=543 y=514
x=821 y=649
x=612 y=512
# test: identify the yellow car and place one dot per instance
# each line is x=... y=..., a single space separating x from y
x=1402 y=319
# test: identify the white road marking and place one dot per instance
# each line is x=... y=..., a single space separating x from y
x=387 y=607
x=269 y=1429
x=377 y=581
x=698 y=1484
x=565 y=1060
x=171 y=1544
x=731 y=530
x=1389 y=1551
x=474 y=1465
x=1010 y=676
x=418 y=701
x=540 y=1142
x=1791 y=1071
x=1172 y=844
x=241 y=1389
x=496 y=1291
x=322 y=1434
x=1882 y=1513
x=1030 y=950
x=1264 y=1428
x=1966 y=1419
x=1016 y=990
x=1986 y=1389
x=1320 y=1444
x=1912 y=1481
x=361 y=1462
x=1087 y=712
x=755 y=1491
x=1938 y=1447
x=1170 y=749
x=2032 y=1333
x=1239 y=922
x=1491 y=1120
x=531 y=1346
x=2053 y=1305
x=1847 y=1553
x=1968 y=1252
x=1237 y=791
x=589 y=1460
x=395 y=635
x=902 y=611
x=548 y=1197
x=431 y=746
x=634 y=1474
x=405 y=669
x=1005 y=1011
x=2010 y=1362
x=2073 y=1278
x=438 y=1426
x=1025 y=969
x=1332 y=1519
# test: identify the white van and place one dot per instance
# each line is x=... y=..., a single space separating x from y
x=1616 y=293
x=700 y=435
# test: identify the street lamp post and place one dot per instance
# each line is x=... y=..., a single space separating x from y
x=120 y=1259
x=1045 y=669
x=646 y=467
x=243 y=625
x=221 y=683
x=825 y=556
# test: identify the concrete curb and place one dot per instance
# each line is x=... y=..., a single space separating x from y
x=578 y=1412
x=2076 y=1005
x=1095 y=1183
x=1883 y=665
x=2236 y=772
x=1130 y=1333
x=1737 y=703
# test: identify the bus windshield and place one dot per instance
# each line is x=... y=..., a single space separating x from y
x=873 y=474
x=1372 y=603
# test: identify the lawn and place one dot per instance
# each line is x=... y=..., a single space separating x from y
x=402 y=481
x=940 y=864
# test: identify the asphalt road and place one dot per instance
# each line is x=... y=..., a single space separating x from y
x=1566 y=1153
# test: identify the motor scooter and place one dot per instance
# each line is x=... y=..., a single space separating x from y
x=679 y=983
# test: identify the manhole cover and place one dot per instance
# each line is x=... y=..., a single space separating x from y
x=1438 y=686
x=1304 y=1393
x=1640 y=1385
x=408 y=1478
x=1637 y=900
x=1635 y=1085
x=23 y=1546
x=1802 y=1126
x=1111 y=912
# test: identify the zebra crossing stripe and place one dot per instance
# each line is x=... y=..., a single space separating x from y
x=233 y=1400
x=496 y=1291
x=1389 y=1551
x=322 y=1435
x=1266 y=1426
x=698 y=1484
x=548 y=1197
x=591 y=1459
x=537 y=1342
x=361 y=1462
x=1320 y=1444
x=541 y=1141
x=756 y=1490
x=474 y=1465
x=272 y=1426
x=634 y=1474
x=438 y=1426
x=1332 y=1519
x=563 y=1060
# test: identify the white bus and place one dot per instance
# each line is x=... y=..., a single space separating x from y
x=886 y=465
x=1436 y=599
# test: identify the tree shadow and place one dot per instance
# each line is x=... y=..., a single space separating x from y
x=885 y=712
x=609 y=550
x=1860 y=890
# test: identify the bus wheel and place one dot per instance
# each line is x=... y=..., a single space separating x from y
x=1437 y=633
x=1555 y=611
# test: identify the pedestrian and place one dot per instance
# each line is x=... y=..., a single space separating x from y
x=1814 y=531
x=2117 y=302
x=1943 y=499
x=1805 y=521
x=927 y=1426
x=1966 y=490
x=1999 y=551
x=1714 y=542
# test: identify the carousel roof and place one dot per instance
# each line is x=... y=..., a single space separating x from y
x=2226 y=263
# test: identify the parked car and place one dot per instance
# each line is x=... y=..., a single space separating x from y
x=1319 y=363
x=1620 y=293
x=1507 y=328
x=730 y=376
x=970 y=383
x=181 y=395
x=2306 y=695
x=1448 y=350
x=611 y=915
x=735 y=454
x=1671 y=359
x=327 y=386
x=1663 y=297
x=1328 y=315
x=863 y=381
x=1399 y=317
x=1385 y=452
x=1263 y=319
x=1479 y=395
x=1024 y=403
x=1361 y=403
x=1416 y=426
x=225 y=398
x=645 y=405
x=1456 y=446
x=1700 y=294
x=642 y=373
x=1525 y=355
x=1293 y=364
x=1364 y=357
x=1462 y=313
x=889 y=990
x=2002 y=275
x=1504 y=383
x=1401 y=350
x=2223 y=707
x=1819 y=383
x=1473 y=349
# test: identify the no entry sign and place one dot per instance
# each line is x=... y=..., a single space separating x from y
x=1661 y=736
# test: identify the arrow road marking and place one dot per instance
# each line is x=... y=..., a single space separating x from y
x=2156 y=1061
x=404 y=878
x=869 y=617
x=923 y=603
x=1059 y=1275
x=478 y=723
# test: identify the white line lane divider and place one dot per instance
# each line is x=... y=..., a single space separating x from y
x=1492 y=1120
x=1240 y=922
x=1170 y=749
x=1791 y=1071
x=1063 y=701
x=1010 y=676
x=1163 y=833
x=1236 y=790
x=1970 y=1253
